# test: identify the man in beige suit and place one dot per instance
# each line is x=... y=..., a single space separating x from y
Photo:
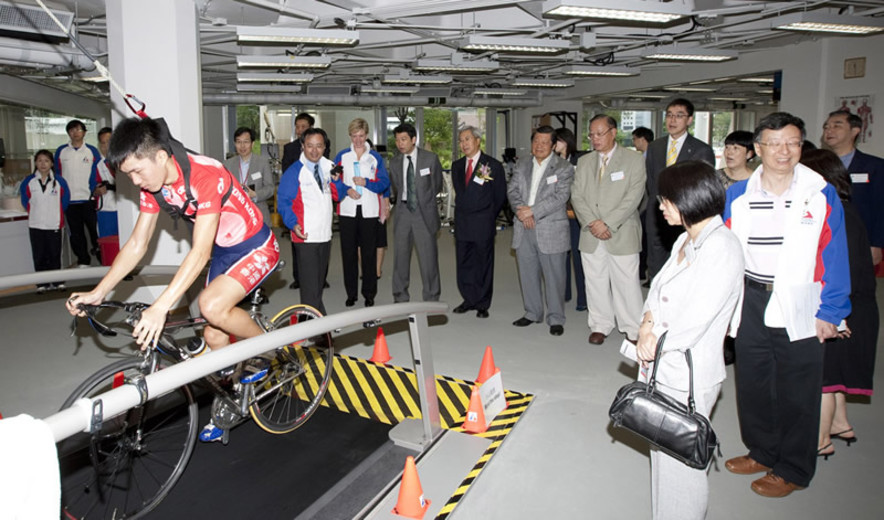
x=608 y=187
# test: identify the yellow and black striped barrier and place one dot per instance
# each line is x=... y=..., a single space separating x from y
x=389 y=394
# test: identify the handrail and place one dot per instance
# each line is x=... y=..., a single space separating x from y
x=71 y=275
x=78 y=418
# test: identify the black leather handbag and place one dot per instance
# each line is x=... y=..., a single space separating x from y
x=668 y=424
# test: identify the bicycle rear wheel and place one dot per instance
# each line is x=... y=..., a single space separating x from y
x=136 y=458
x=298 y=377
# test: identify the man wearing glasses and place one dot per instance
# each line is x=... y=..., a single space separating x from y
x=608 y=188
x=797 y=286
x=676 y=147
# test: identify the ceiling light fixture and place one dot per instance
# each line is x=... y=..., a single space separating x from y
x=246 y=34
x=593 y=70
x=290 y=89
x=671 y=53
x=512 y=44
x=689 y=89
x=814 y=22
x=283 y=61
x=629 y=10
x=381 y=89
x=499 y=92
x=451 y=65
x=725 y=98
x=541 y=82
x=274 y=78
x=759 y=79
x=417 y=78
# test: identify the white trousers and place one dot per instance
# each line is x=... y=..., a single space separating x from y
x=679 y=492
x=613 y=290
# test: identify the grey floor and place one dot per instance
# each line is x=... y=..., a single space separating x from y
x=561 y=461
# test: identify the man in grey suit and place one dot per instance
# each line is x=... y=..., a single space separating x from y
x=538 y=192
x=416 y=175
x=252 y=171
x=608 y=187
x=677 y=146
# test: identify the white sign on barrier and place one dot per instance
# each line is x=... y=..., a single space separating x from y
x=493 y=398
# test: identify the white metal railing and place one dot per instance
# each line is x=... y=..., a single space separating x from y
x=73 y=275
x=78 y=418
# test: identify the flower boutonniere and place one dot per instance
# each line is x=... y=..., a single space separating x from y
x=484 y=173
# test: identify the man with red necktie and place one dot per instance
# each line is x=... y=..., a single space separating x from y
x=480 y=187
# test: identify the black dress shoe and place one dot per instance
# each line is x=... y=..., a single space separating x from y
x=369 y=302
x=350 y=302
x=462 y=308
x=295 y=285
x=482 y=313
x=523 y=322
x=557 y=330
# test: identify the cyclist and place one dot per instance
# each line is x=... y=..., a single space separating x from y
x=227 y=227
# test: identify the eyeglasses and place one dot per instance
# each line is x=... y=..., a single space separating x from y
x=778 y=145
x=680 y=115
x=599 y=135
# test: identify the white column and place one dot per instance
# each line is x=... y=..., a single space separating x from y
x=154 y=55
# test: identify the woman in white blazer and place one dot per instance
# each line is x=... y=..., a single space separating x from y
x=693 y=297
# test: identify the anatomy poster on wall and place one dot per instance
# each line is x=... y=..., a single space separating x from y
x=861 y=106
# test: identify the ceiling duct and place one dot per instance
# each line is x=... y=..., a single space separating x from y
x=33 y=23
x=363 y=100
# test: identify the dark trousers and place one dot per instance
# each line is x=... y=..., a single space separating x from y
x=295 y=262
x=575 y=261
x=45 y=249
x=359 y=234
x=82 y=215
x=779 y=384
x=475 y=272
x=313 y=263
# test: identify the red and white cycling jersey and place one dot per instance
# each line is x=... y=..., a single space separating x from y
x=209 y=181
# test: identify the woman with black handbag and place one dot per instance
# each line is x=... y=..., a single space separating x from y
x=692 y=299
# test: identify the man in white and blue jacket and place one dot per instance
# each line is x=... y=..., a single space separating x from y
x=78 y=163
x=305 y=204
x=797 y=286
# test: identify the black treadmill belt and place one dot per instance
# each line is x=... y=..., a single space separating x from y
x=266 y=476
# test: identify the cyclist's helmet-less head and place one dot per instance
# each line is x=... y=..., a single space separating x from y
x=138 y=138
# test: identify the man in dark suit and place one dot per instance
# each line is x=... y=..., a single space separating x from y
x=676 y=147
x=480 y=191
x=538 y=192
x=416 y=175
x=840 y=132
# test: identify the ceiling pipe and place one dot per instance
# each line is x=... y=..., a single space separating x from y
x=365 y=101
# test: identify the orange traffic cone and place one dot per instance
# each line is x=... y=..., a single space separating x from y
x=475 y=421
x=411 y=503
x=380 y=354
x=488 y=368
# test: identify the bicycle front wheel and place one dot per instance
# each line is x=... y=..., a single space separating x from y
x=131 y=464
x=298 y=377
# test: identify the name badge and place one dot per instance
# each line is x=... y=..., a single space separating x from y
x=478 y=180
x=617 y=176
x=425 y=172
x=859 y=178
x=256 y=176
x=552 y=179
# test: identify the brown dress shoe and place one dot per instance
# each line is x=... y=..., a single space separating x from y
x=597 y=338
x=774 y=486
x=745 y=465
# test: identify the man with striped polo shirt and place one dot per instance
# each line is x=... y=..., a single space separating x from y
x=797 y=284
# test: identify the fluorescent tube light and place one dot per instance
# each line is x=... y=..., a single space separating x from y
x=814 y=22
x=283 y=61
x=416 y=78
x=629 y=10
x=247 y=34
x=592 y=70
x=511 y=44
x=670 y=53
x=542 y=82
x=449 y=65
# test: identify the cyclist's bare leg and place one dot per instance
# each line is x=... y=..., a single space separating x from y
x=218 y=306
